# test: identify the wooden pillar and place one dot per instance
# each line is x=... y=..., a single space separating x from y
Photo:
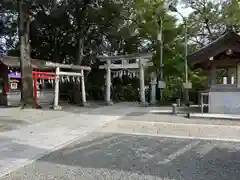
x=209 y=78
x=142 y=84
x=108 y=83
x=212 y=77
x=230 y=74
x=4 y=83
x=84 y=101
x=56 y=90
x=35 y=89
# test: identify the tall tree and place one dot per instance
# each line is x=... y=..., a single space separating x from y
x=210 y=19
x=25 y=57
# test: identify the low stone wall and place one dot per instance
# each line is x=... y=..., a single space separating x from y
x=224 y=102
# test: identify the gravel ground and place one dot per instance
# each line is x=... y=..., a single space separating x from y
x=106 y=156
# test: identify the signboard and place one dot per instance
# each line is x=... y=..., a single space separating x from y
x=14 y=86
x=161 y=84
x=187 y=85
x=16 y=75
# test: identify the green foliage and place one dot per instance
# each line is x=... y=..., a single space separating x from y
x=149 y=16
x=173 y=89
x=231 y=15
x=125 y=89
x=69 y=30
x=210 y=19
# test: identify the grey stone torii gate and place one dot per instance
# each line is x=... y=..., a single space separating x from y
x=64 y=73
x=141 y=62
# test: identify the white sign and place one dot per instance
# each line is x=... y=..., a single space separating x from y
x=14 y=86
x=187 y=85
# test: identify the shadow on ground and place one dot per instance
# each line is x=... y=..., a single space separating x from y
x=15 y=118
x=11 y=148
x=9 y=123
x=155 y=156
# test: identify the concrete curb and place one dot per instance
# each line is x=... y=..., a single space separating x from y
x=214 y=116
x=188 y=137
x=167 y=112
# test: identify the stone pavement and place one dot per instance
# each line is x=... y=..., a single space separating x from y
x=119 y=156
x=154 y=114
x=21 y=146
x=15 y=118
x=154 y=124
x=177 y=130
x=120 y=142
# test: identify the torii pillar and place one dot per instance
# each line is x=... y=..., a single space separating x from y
x=108 y=83
x=142 y=84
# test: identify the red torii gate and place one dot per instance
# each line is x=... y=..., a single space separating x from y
x=55 y=75
x=40 y=75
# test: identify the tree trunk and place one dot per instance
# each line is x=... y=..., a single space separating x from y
x=25 y=60
x=77 y=94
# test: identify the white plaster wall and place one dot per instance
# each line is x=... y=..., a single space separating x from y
x=224 y=102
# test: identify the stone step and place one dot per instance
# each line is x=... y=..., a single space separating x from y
x=214 y=116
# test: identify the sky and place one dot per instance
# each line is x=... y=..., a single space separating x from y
x=186 y=11
x=183 y=10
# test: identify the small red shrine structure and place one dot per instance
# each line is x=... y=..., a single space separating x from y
x=10 y=65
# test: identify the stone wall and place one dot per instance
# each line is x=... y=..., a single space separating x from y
x=224 y=102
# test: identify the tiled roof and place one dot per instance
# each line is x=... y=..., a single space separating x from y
x=14 y=62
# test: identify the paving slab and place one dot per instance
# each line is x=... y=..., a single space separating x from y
x=178 y=130
x=16 y=118
x=112 y=156
x=151 y=115
x=120 y=142
x=19 y=147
